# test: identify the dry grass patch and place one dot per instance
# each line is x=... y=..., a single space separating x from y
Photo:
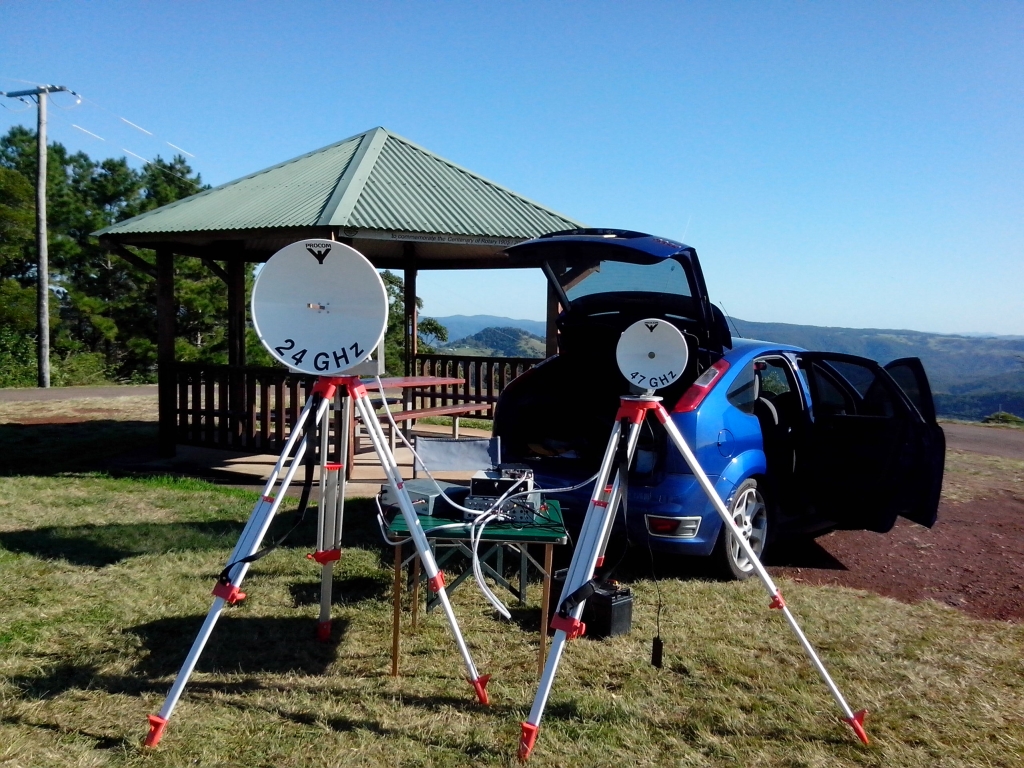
x=975 y=475
x=135 y=408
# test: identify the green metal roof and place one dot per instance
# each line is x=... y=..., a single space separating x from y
x=373 y=182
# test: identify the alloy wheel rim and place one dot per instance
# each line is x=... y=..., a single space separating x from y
x=751 y=517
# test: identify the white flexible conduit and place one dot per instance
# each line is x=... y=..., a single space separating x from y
x=480 y=518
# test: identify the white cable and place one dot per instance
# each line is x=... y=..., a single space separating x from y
x=480 y=518
x=382 y=524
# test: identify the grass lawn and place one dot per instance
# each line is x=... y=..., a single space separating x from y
x=105 y=582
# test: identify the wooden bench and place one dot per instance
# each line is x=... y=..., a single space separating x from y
x=455 y=411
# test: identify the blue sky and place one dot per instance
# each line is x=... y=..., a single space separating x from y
x=852 y=164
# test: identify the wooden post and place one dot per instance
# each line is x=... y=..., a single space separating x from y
x=236 y=311
x=545 y=599
x=551 y=340
x=166 y=385
x=42 y=254
x=411 y=318
x=396 y=611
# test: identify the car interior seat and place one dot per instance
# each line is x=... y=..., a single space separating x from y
x=773 y=414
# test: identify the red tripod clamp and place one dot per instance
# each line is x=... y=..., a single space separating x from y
x=325 y=556
x=229 y=592
x=573 y=628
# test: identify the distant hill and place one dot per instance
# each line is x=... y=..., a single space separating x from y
x=461 y=326
x=500 y=342
x=971 y=376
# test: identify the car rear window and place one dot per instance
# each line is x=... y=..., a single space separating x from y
x=667 y=276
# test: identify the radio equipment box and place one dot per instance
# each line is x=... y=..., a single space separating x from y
x=486 y=487
x=425 y=495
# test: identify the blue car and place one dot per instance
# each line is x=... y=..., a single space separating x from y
x=796 y=442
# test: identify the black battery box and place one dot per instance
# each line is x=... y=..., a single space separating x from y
x=607 y=613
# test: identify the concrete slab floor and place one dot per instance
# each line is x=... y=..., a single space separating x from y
x=252 y=470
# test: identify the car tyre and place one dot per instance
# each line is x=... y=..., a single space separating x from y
x=749 y=511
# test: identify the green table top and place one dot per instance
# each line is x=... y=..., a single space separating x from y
x=547 y=530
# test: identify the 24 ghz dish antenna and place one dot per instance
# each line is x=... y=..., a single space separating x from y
x=319 y=307
x=651 y=354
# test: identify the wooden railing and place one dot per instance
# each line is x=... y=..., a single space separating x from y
x=241 y=408
x=485 y=378
x=251 y=409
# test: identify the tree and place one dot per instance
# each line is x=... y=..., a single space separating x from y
x=105 y=312
x=106 y=307
x=394 y=336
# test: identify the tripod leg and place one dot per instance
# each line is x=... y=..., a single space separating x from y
x=855 y=720
x=589 y=547
x=328 y=550
x=332 y=502
x=435 y=579
x=248 y=543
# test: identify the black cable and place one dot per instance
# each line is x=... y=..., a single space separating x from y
x=657 y=645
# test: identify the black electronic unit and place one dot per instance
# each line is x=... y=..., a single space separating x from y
x=607 y=613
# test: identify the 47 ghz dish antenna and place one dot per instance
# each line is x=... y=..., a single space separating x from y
x=651 y=354
x=319 y=307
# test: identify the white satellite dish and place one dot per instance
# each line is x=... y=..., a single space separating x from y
x=652 y=354
x=319 y=307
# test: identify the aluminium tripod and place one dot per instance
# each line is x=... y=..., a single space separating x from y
x=593 y=540
x=332 y=495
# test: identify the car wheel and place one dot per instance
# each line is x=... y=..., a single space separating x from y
x=750 y=513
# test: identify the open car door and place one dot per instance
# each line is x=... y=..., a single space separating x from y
x=908 y=373
x=865 y=458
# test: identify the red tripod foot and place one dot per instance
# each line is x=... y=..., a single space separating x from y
x=527 y=740
x=480 y=686
x=857 y=723
x=323 y=631
x=156 y=730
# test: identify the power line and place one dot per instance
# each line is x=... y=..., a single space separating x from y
x=140 y=157
x=79 y=98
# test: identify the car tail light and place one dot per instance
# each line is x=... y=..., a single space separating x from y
x=695 y=395
x=679 y=527
x=663 y=526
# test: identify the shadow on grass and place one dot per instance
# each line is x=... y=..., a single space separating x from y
x=101 y=742
x=49 y=449
x=238 y=646
x=338 y=724
x=346 y=591
x=101 y=545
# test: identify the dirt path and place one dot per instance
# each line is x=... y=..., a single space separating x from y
x=21 y=394
x=993 y=441
x=973 y=559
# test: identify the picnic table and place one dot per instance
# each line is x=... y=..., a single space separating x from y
x=547 y=532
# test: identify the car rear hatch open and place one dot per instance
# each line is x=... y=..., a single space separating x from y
x=605 y=280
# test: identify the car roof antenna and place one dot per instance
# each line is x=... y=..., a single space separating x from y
x=726 y=311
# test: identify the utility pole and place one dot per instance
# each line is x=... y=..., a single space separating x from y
x=42 y=263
